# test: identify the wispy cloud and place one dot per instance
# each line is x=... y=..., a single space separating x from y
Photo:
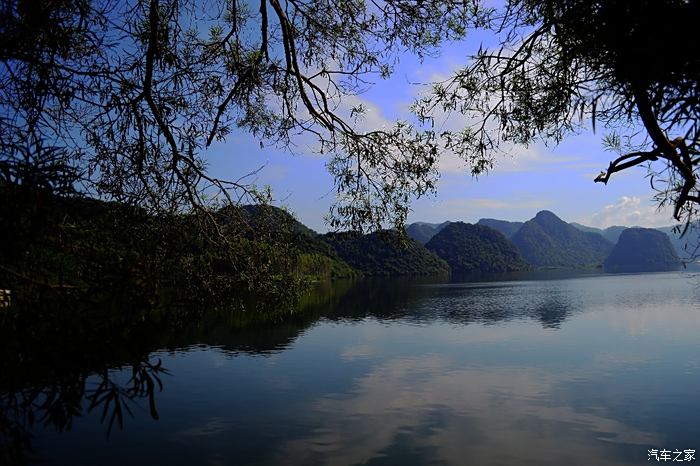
x=630 y=211
x=531 y=159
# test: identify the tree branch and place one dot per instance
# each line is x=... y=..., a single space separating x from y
x=616 y=165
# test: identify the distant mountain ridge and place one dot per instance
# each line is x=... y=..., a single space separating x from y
x=610 y=233
x=491 y=245
x=422 y=231
x=508 y=229
x=687 y=246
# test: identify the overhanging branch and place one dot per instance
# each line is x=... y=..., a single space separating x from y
x=674 y=151
x=617 y=165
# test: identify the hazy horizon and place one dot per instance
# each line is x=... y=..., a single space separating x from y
x=533 y=216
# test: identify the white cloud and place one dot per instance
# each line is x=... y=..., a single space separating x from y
x=630 y=211
x=486 y=406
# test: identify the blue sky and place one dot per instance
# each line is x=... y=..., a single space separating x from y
x=558 y=178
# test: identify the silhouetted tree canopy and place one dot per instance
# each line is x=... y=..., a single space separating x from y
x=631 y=67
x=121 y=99
x=124 y=97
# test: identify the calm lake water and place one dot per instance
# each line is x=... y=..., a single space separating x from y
x=594 y=369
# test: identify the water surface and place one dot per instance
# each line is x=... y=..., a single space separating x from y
x=594 y=369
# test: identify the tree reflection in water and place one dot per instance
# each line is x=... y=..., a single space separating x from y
x=112 y=397
x=63 y=357
x=56 y=405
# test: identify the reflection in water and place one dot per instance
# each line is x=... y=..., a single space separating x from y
x=61 y=361
x=548 y=302
x=488 y=416
x=59 y=402
x=591 y=370
x=114 y=399
x=552 y=312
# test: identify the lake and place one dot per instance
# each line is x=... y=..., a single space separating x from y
x=579 y=369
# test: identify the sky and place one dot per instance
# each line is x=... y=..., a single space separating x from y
x=534 y=178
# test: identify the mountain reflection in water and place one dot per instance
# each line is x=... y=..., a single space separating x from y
x=539 y=370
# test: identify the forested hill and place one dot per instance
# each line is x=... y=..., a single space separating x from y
x=273 y=218
x=548 y=241
x=476 y=248
x=687 y=245
x=384 y=253
x=642 y=250
x=341 y=255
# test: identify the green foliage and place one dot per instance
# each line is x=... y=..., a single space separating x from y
x=642 y=250
x=131 y=94
x=228 y=258
x=476 y=248
x=314 y=260
x=323 y=267
x=548 y=241
x=135 y=92
x=385 y=253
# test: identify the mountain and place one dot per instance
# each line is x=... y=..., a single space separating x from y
x=685 y=246
x=613 y=233
x=476 y=248
x=508 y=229
x=548 y=241
x=422 y=232
x=316 y=258
x=384 y=253
x=586 y=228
x=610 y=233
x=642 y=250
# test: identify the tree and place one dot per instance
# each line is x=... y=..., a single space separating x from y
x=132 y=93
x=629 y=66
x=122 y=99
